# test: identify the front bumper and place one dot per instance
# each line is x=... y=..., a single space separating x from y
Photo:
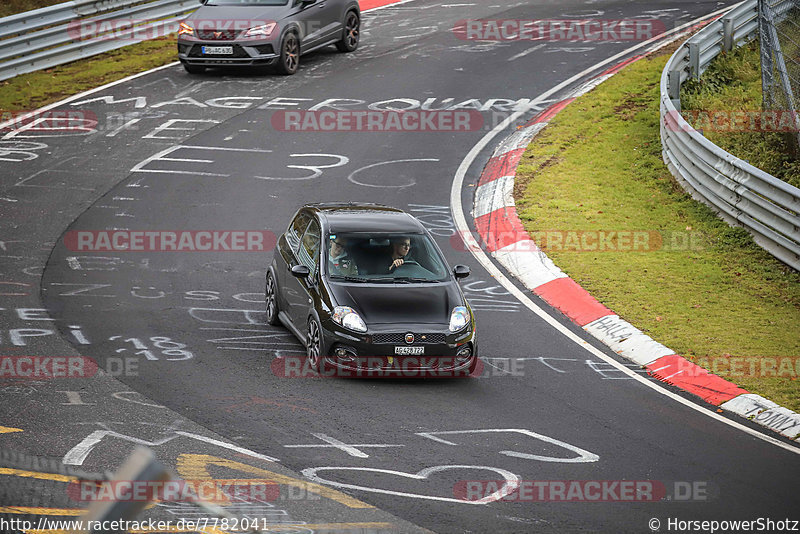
x=373 y=353
x=245 y=52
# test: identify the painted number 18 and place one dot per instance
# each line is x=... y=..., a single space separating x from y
x=163 y=344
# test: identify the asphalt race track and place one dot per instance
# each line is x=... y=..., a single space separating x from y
x=173 y=151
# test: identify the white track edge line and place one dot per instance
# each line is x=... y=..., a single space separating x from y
x=458 y=214
x=86 y=93
x=483 y=259
x=109 y=85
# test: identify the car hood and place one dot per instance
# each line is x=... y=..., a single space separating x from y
x=242 y=14
x=399 y=303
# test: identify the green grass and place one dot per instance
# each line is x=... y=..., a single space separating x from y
x=36 y=89
x=12 y=7
x=598 y=166
x=33 y=90
x=733 y=83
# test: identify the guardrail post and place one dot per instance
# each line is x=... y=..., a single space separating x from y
x=727 y=34
x=736 y=190
x=694 y=59
x=140 y=466
x=674 y=87
x=44 y=37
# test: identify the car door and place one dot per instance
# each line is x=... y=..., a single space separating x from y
x=307 y=254
x=331 y=18
x=289 y=288
x=319 y=20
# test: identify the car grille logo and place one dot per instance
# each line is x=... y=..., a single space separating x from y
x=217 y=35
x=409 y=338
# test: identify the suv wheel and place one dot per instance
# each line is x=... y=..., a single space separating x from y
x=290 y=54
x=352 y=31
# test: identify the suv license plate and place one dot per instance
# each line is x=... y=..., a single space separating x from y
x=217 y=50
x=409 y=351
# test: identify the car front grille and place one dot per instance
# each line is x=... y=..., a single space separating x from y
x=238 y=52
x=399 y=338
x=217 y=35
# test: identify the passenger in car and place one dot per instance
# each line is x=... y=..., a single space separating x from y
x=339 y=261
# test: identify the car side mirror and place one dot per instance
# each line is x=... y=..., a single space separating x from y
x=461 y=271
x=300 y=271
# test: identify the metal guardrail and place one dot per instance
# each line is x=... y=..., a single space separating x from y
x=58 y=34
x=741 y=194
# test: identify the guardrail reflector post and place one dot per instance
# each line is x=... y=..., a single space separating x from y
x=694 y=59
x=674 y=87
x=140 y=466
x=727 y=34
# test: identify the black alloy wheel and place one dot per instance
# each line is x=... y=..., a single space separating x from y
x=290 y=54
x=314 y=345
x=271 y=301
x=352 y=33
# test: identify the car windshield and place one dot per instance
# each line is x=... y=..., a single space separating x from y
x=384 y=258
x=247 y=2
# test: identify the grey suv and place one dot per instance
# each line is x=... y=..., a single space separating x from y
x=265 y=32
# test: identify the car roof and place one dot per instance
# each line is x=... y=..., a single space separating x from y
x=364 y=217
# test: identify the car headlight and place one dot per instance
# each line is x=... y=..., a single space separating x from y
x=459 y=318
x=348 y=318
x=261 y=31
x=185 y=29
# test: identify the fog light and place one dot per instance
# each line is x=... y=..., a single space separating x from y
x=465 y=353
x=344 y=354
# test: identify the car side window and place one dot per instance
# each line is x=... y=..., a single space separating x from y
x=296 y=230
x=309 y=248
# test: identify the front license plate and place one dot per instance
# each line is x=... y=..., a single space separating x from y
x=219 y=50
x=409 y=351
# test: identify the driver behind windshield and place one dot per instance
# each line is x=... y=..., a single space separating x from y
x=339 y=262
x=399 y=250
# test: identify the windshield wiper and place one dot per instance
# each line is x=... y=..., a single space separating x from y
x=388 y=279
x=413 y=279
x=349 y=278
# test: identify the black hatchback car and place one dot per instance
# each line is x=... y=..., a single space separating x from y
x=367 y=290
